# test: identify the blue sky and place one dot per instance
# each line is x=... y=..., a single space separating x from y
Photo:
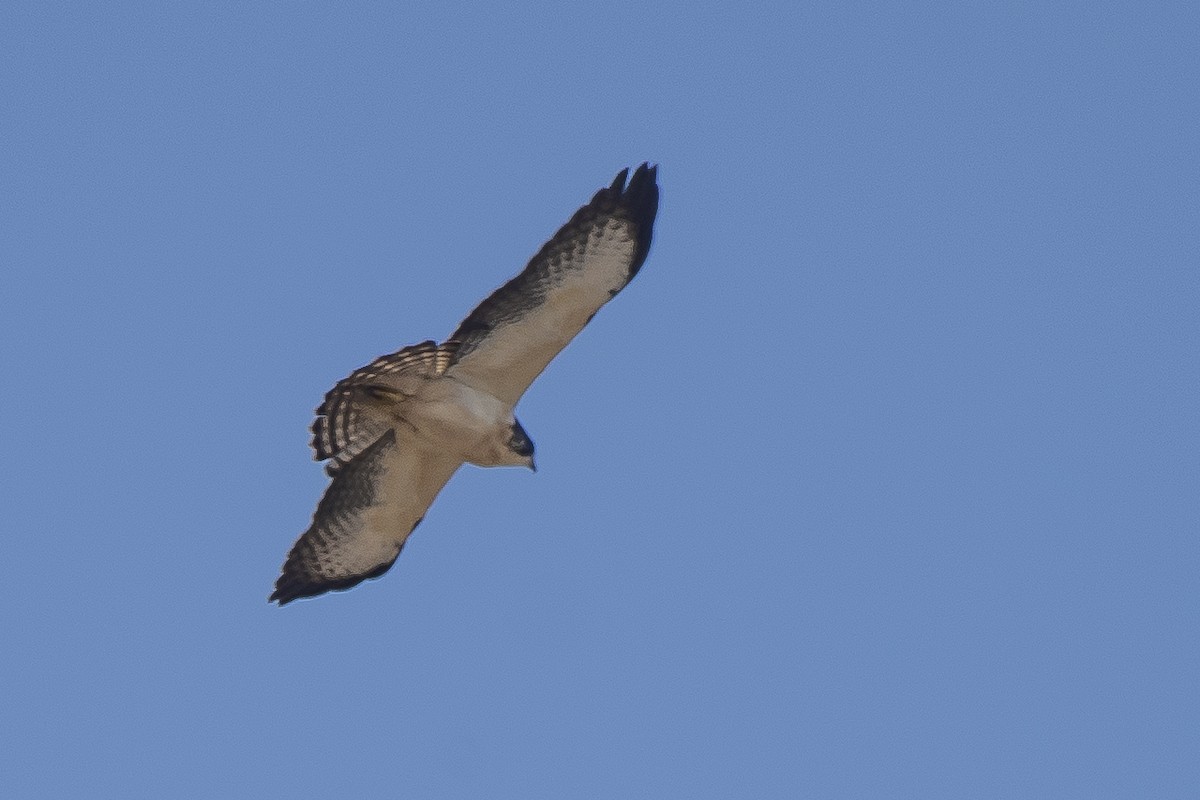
x=880 y=480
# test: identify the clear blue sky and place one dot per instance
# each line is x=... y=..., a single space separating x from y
x=880 y=480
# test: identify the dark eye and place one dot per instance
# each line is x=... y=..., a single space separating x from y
x=521 y=444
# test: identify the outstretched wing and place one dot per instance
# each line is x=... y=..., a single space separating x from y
x=372 y=505
x=506 y=342
x=353 y=415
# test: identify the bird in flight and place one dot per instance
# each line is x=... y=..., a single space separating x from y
x=394 y=431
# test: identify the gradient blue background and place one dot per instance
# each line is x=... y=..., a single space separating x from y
x=881 y=480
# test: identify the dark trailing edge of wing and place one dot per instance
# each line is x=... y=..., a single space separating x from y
x=637 y=202
x=291 y=586
x=351 y=491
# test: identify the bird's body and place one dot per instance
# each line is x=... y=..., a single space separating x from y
x=396 y=430
x=471 y=423
x=448 y=416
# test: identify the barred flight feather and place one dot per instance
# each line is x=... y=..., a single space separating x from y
x=346 y=425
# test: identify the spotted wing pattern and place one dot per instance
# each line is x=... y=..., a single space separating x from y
x=506 y=342
x=372 y=505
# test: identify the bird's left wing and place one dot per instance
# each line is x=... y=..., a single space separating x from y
x=506 y=342
x=372 y=505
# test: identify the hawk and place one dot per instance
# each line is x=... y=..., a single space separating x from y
x=394 y=431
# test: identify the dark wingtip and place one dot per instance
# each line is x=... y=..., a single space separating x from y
x=636 y=202
x=619 y=182
x=282 y=595
x=640 y=198
x=288 y=590
x=641 y=195
x=292 y=585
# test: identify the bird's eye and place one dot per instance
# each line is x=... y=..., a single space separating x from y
x=521 y=443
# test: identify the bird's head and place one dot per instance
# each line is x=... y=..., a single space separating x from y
x=521 y=446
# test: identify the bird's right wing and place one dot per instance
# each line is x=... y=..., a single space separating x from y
x=372 y=505
x=506 y=342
